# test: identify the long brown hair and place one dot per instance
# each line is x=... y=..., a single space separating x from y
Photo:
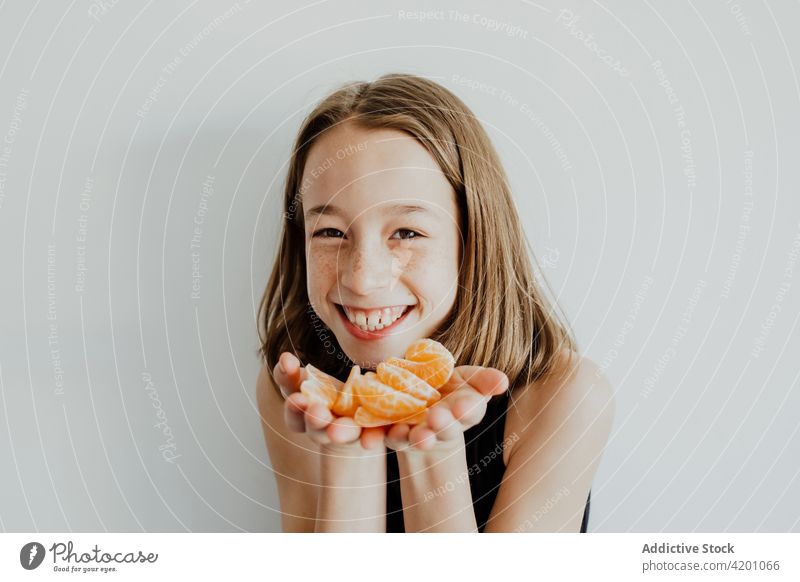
x=501 y=317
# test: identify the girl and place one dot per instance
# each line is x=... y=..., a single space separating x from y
x=400 y=225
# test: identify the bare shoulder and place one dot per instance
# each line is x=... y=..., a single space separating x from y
x=558 y=429
x=576 y=395
x=294 y=459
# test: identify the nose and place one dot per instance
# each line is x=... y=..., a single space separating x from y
x=368 y=268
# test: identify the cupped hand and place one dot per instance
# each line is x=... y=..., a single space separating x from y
x=462 y=406
x=314 y=419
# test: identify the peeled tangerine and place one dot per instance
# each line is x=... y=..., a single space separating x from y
x=400 y=391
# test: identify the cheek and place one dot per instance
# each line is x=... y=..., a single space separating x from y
x=320 y=269
x=434 y=272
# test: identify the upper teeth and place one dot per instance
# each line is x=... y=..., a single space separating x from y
x=375 y=319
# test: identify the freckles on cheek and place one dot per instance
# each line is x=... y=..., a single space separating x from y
x=321 y=267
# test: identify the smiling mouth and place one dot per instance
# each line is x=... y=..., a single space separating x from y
x=381 y=321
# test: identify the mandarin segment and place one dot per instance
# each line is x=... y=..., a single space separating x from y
x=428 y=360
x=347 y=401
x=365 y=418
x=400 y=391
x=319 y=387
x=417 y=418
x=435 y=373
x=383 y=400
x=438 y=362
x=408 y=382
x=426 y=349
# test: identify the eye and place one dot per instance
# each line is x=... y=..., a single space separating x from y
x=325 y=232
x=410 y=233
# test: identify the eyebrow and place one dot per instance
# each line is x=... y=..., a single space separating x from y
x=397 y=210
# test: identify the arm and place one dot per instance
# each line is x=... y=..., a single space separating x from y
x=438 y=484
x=322 y=486
x=293 y=458
x=352 y=492
x=434 y=480
x=565 y=425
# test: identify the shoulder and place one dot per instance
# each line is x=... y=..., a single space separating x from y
x=558 y=428
x=582 y=383
x=576 y=381
x=576 y=397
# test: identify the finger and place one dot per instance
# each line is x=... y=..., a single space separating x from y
x=318 y=435
x=293 y=412
x=297 y=402
x=372 y=437
x=343 y=430
x=398 y=433
x=486 y=381
x=397 y=437
x=468 y=408
x=442 y=422
x=287 y=373
x=421 y=437
x=318 y=417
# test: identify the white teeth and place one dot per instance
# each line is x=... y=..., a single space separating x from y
x=375 y=320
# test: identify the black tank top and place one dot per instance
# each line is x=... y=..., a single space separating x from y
x=485 y=468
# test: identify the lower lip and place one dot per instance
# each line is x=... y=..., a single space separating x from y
x=371 y=335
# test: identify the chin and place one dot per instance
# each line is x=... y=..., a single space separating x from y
x=369 y=360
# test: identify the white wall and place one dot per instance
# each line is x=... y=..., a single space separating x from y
x=639 y=229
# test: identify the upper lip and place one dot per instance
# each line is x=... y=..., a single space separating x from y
x=356 y=307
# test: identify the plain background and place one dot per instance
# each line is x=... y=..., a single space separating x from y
x=677 y=269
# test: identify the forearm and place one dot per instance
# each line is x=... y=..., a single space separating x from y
x=436 y=491
x=352 y=492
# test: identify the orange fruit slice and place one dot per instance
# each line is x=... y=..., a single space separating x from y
x=401 y=391
x=319 y=387
x=429 y=360
x=383 y=400
x=417 y=418
x=408 y=382
x=347 y=401
x=365 y=418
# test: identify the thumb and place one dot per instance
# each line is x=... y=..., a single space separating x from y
x=486 y=381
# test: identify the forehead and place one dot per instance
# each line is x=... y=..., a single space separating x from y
x=359 y=169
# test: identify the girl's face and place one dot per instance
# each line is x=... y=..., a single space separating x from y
x=382 y=240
